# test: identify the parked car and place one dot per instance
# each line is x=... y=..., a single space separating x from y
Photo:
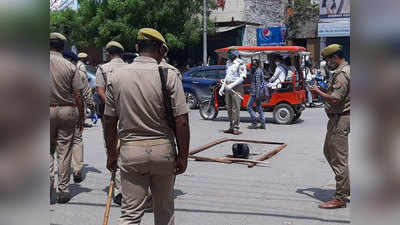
x=197 y=81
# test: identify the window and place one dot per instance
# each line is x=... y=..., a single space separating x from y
x=197 y=74
x=215 y=74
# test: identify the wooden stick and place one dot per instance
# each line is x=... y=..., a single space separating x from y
x=268 y=155
x=204 y=147
x=109 y=197
x=220 y=160
x=256 y=142
x=224 y=159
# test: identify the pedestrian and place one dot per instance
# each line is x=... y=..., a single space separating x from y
x=114 y=53
x=77 y=143
x=66 y=111
x=258 y=91
x=235 y=75
x=337 y=107
x=309 y=77
x=137 y=103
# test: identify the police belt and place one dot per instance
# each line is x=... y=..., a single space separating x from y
x=347 y=113
x=61 y=105
x=149 y=142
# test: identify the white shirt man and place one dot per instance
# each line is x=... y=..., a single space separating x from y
x=278 y=77
x=235 y=74
x=235 y=69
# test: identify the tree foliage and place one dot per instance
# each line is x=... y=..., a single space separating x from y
x=303 y=11
x=97 y=22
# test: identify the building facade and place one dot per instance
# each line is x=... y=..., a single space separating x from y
x=248 y=15
x=334 y=24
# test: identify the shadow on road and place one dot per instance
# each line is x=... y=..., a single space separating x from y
x=178 y=193
x=77 y=189
x=322 y=195
x=248 y=120
x=89 y=169
x=265 y=214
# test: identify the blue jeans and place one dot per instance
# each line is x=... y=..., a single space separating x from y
x=259 y=109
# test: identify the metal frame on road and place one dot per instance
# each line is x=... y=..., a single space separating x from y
x=251 y=163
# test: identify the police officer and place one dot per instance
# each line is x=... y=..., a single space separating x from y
x=337 y=107
x=77 y=143
x=82 y=61
x=66 y=110
x=103 y=73
x=147 y=159
x=235 y=75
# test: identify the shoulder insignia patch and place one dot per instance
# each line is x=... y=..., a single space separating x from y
x=337 y=86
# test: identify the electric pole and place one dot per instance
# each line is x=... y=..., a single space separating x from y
x=204 y=32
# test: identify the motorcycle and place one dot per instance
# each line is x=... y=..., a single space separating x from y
x=319 y=81
x=209 y=107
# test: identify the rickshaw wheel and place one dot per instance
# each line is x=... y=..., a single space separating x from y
x=283 y=114
x=208 y=111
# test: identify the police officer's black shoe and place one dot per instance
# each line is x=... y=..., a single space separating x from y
x=117 y=199
x=252 y=126
x=63 y=197
x=78 y=178
x=228 y=131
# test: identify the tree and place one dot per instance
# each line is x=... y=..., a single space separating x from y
x=299 y=13
x=97 y=22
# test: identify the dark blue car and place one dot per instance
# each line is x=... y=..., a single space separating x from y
x=197 y=80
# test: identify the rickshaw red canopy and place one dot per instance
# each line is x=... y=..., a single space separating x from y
x=263 y=48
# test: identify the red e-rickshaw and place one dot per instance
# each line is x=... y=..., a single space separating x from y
x=286 y=102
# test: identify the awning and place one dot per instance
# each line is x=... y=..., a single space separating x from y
x=225 y=29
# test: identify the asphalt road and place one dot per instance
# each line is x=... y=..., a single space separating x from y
x=287 y=191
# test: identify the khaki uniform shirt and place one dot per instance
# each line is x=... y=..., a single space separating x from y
x=104 y=71
x=64 y=80
x=81 y=66
x=134 y=94
x=87 y=90
x=339 y=87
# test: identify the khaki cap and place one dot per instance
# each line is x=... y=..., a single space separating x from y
x=55 y=35
x=331 y=49
x=114 y=44
x=82 y=55
x=150 y=34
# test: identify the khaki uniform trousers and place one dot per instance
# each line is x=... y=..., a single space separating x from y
x=117 y=184
x=77 y=151
x=62 y=125
x=336 y=151
x=233 y=104
x=144 y=165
